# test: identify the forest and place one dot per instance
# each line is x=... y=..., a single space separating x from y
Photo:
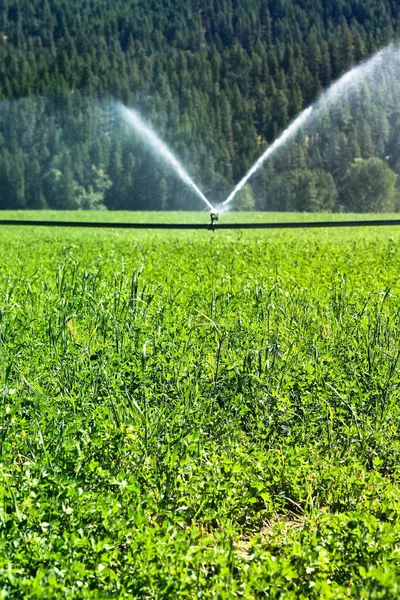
x=218 y=80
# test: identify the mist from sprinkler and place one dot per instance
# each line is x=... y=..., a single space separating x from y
x=162 y=149
x=347 y=83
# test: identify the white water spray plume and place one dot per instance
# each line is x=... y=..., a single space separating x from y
x=162 y=149
x=349 y=83
x=287 y=134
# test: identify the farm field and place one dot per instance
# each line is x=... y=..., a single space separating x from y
x=199 y=415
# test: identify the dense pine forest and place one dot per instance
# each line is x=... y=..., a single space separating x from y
x=217 y=79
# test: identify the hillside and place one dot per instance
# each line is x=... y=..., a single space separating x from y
x=218 y=80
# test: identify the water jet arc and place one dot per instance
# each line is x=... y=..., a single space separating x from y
x=162 y=149
x=286 y=135
x=348 y=82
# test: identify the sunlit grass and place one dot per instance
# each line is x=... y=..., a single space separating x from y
x=193 y=415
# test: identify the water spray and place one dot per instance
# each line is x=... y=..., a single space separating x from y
x=349 y=82
x=286 y=135
x=162 y=149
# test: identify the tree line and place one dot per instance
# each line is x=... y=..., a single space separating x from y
x=218 y=80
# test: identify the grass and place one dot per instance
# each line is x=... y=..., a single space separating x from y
x=197 y=415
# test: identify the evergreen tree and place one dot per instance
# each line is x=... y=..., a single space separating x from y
x=219 y=81
x=369 y=186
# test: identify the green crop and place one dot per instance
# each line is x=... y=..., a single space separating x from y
x=198 y=415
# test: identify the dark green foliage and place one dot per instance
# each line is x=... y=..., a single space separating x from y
x=369 y=186
x=219 y=81
x=302 y=190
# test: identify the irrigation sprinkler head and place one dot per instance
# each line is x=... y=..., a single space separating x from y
x=214 y=218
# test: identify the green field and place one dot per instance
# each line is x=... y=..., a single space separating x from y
x=198 y=415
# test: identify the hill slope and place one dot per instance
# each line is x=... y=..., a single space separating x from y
x=219 y=80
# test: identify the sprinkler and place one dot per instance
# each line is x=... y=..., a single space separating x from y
x=214 y=218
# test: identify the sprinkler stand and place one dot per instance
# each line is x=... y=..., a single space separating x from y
x=214 y=218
